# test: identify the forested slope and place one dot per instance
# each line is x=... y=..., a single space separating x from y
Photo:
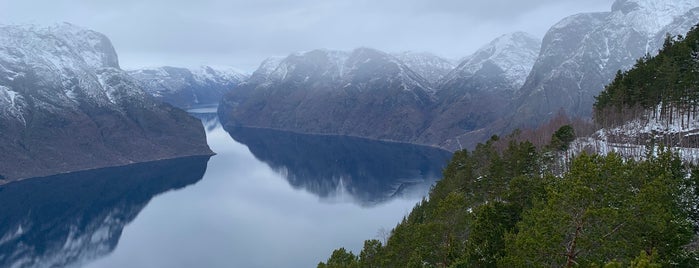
x=509 y=203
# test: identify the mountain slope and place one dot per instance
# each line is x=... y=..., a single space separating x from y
x=429 y=66
x=184 y=87
x=480 y=90
x=372 y=94
x=581 y=54
x=364 y=93
x=67 y=106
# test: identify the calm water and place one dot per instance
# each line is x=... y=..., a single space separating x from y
x=267 y=199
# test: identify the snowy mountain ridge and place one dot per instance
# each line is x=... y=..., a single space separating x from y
x=64 y=55
x=338 y=67
x=184 y=87
x=431 y=67
x=513 y=53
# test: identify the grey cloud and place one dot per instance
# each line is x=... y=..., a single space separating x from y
x=243 y=33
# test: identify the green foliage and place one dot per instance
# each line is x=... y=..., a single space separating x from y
x=370 y=252
x=670 y=79
x=503 y=208
x=603 y=210
x=341 y=258
x=561 y=139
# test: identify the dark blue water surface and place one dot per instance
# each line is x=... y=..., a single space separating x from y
x=267 y=199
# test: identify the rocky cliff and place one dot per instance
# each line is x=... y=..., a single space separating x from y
x=66 y=106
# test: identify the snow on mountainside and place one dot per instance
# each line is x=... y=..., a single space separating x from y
x=61 y=90
x=514 y=54
x=188 y=87
x=409 y=97
x=339 y=68
x=650 y=16
x=582 y=53
x=63 y=55
x=365 y=92
x=481 y=89
x=431 y=67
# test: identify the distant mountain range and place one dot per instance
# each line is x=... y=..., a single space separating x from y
x=412 y=97
x=515 y=81
x=185 y=88
x=62 y=90
x=65 y=105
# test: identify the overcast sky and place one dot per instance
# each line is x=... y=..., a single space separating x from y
x=243 y=33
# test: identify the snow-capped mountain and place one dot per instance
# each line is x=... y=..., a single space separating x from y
x=364 y=92
x=509 y=59
x=480 y=90
x=61 y=90
x=431 y=67
x=184 y=87
x=372 y=94
x=582 y=53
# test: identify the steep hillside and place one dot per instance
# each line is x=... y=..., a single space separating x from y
x=582 y=53
x=481 y=89
x=431 y=67
x=65 y=105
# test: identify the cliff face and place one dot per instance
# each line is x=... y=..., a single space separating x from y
x=66 y=106
x=582 y=53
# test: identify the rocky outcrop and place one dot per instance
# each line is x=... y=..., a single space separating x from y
x=66 y=106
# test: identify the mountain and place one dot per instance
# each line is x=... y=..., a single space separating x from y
x=480 y=90
x=431 y=67
x=184 y=87
x=582 y=53
x=365 y=93
x=409 y=97
x=67 y=106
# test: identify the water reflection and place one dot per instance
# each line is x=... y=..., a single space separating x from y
x=207 y=115
x=334 y=167
x=69 y=219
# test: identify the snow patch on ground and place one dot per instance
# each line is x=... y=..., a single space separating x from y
x=630 y=139
x=12 y=104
